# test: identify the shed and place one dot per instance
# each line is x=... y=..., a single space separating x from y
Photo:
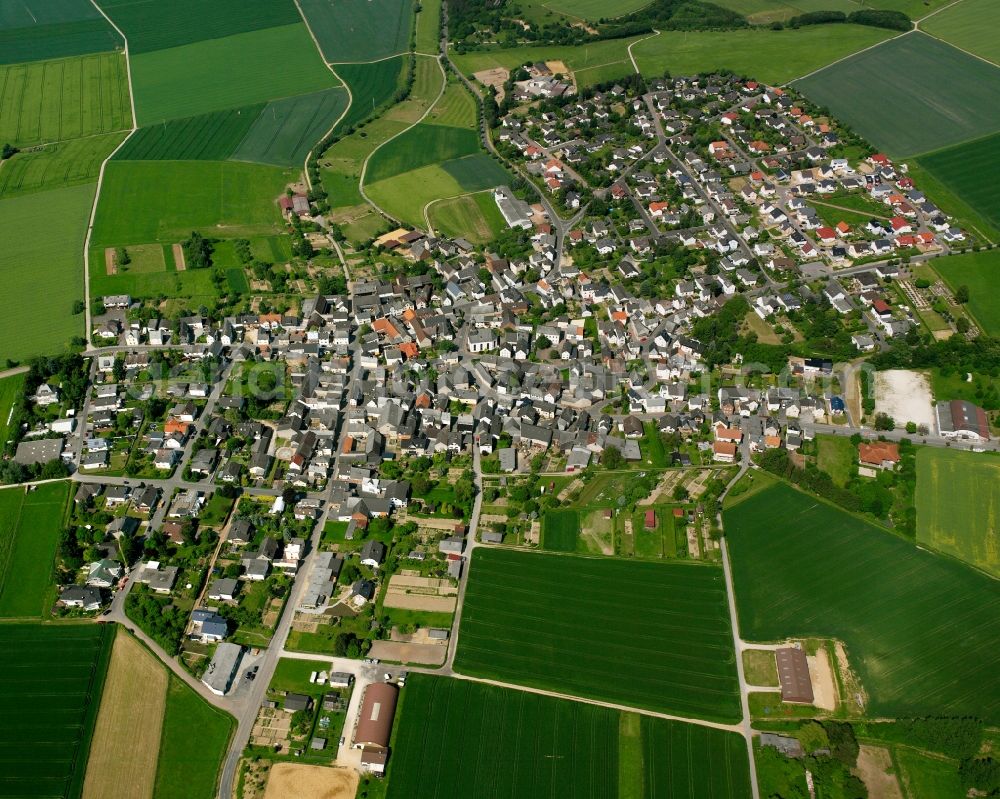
x=793 y=674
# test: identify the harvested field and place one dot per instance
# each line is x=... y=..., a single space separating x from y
x=126 y=742
x=295 y=781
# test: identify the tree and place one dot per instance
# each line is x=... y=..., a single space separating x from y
x=884 y=421
x=9 y=151
x=122 y=258
x=197 y=251
x=612 y=458
x=962 y=294
x=962 y=325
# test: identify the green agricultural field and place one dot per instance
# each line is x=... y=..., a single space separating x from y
x=429 y=27
x=53 y=676
x=921 y=631
x=157 y=26
x=961 y=169
x=560 y=530
x=422 y=145
x=206 y=137
x=169 y=199
x=971 y=25
x=195 y=285
x=493 y=740
x=371 y=85
x=57 y=165
x=476 y=172
x=10 y=389
x=771 y=56
x=456 y=108
x=883 y=95
x=47 y=101
x=192 y=745
x=530 y=618
x=42 y=257
x=474 y=216
x=288 y=129
x=30 y=525
x=762 y=12
x=958 y=505
x=978 y=271
x=966 y=217
x=228 y=73
x=360 y=30
x=38 y=29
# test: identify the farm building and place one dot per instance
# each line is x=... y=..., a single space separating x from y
x=878 y=454
x=650 y=522
x=960 y=419
x=793 y=673
x=371 y=736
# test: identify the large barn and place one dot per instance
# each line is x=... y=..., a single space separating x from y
x=374 y=728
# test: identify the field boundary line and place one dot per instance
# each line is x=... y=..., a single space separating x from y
x=5 y=567
x=373 y=61
x=960 y=49
x=936 y=11
x=635 y=65
x=850 y=55
x=427 y=206
x=350 y=96
x=100 y=176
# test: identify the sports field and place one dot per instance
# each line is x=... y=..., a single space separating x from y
x=360 y=30
x=53 y=677
x=503 y=742
x=42 y=257
x=232 y=72
x=169 y=199
x=30 y=524
x=961 y=169
x=884 y=95
x=648 y=635
x=371 y=85
x=949 y=480
x=978 y=271
x=971 y=25
x=922 y=631
x=122 y=762
x=53 y=166
x=38 y=29
x=772 y=56
x=192 y=746
x=474 y=216
x=63 y=99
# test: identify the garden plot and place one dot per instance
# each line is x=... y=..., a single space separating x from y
x=411 y=592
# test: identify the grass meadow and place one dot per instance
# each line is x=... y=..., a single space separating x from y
x=837 y=457
x=762 y=12
x=41 y=264
x=158 y=26
x=232 y=72
x=592 y=10
x=38 y=29
x=360 y=30
x=53 y=678
x=67 y=98
x=10 y=389
x=665 y=640
x=961 y=169
x=52 y=166
x=429 y=26
x=948 y=480
x=971 y=25
x=884 y=96
x=921 y=631
x=456 y=737
x=167 y=200
x=30 y=525
x=474 y=217
x=978 y=271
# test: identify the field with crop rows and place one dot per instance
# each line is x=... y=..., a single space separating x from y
x=665 y=642
x=961 y=169
x=971 y=25
x=52 y=678
x=978 y=271
x=922 y=631
x=42 y=257
x=423 y=145
x=560 y=530
x=38 y=29
x=206 y=137
x=948 y=479
x=884 y=95
x=68 y=163
x=66 y=98
x=360 y=30
x=371 y=85
x=483 y=742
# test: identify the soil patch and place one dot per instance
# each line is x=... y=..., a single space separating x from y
x=396 y=651
x=905 y=396
x=110 y=262
x=179 y=261
x=294 y=781
x=823 y=684
x=874 y=764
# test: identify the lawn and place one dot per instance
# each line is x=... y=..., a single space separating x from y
x=360 y=30
x=37 y=29
x=665 y=641
x=474 y=217
x=229 y=73
x=922 y=631
x=42 y=257
x=760 y=667
x=30 y=525
x=978 y=271
x=151 y=25
x=458 y=738
x=882 y=94
x=961 y=169
x=67 y=98
x=971 y=25
x=192 y=746
x=772 y=56
x=166 y=200
x=293 y=675
x=53 y=677
x=10 y=389
x=958 y=505
x=429 y=26
x=560 y=530
x=927 y=776
x=205 y=137
x=837 y=457
x=371 y=85
x=54 y=166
